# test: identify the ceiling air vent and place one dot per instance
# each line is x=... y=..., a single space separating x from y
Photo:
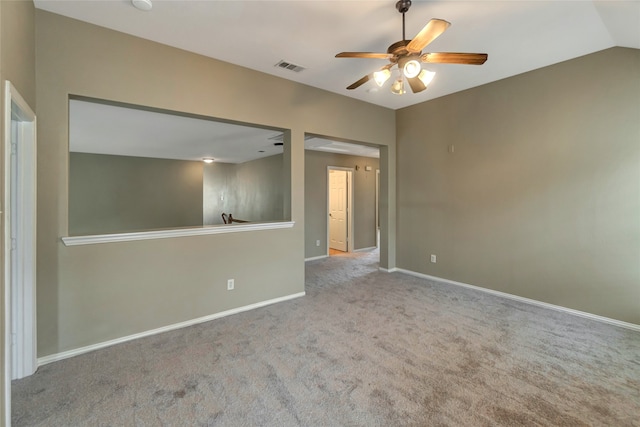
x=289 y=66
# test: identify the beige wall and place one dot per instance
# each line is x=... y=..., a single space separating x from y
x=115 y=194
x=258 y=190
x=89 y=294
x=218 y=180
x=541 y=196
x=364 y=200
x=17 y=64
x=250 y=191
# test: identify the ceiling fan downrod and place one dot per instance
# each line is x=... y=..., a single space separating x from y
x=403 y=7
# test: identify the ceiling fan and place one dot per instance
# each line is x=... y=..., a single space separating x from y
x=407 y=55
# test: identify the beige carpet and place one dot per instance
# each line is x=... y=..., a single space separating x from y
x=363 y=348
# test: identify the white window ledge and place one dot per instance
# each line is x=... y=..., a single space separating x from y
x=177 y=232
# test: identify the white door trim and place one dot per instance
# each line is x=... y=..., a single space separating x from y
x=377 y=208
x=20 y=303
x=349 y=205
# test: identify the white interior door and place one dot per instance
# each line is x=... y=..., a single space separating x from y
x=338 y=210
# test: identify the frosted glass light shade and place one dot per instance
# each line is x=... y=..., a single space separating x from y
x=381 y=76
x=426 y=76
x=411 y=69
x=397 y=87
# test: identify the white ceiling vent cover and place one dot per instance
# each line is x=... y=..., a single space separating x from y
x=289 y=66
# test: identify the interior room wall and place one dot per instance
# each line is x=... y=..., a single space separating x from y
x=251 y=191
x=258 y=190
x=17 y=64
x=218 y=180
x=364 y=200
x=116 y=194
x=94 y=293
x=540 y=196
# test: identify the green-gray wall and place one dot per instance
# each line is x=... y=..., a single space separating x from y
x=94 y=293
x=315 y=190
x=541 y=196
x=250 y=191
x=17 y=64
x=116 y=194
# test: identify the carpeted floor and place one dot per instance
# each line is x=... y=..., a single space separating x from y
x=363 y=348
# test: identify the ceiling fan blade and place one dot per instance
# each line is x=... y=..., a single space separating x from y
x=364 y=55
x=429 y=33
x=454 y=58
x=416 y=85
x=360 y=82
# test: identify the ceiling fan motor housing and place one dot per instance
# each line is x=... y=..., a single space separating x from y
x=398 y=49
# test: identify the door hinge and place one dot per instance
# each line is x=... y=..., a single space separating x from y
x=14 y=243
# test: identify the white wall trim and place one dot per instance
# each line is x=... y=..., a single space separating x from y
x=388 y=270
x=82 y=350
x=365 y=249
x=19 y=205
x=316 y=257
x=177 y=232
x=571 y=311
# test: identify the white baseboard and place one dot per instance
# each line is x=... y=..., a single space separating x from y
x=82 y=350
x=365 y=249
x=388 y=270
x=525 y=300
x=315 y=258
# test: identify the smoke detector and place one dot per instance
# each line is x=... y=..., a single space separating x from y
x=144 y=5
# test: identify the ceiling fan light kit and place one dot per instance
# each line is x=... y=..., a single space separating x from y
x=397 y=88
x=426 y=76
x=411 y=69
x=381 y=76
x=407 y=56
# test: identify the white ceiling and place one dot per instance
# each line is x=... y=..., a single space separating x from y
x=519 y=36
x=101 y=128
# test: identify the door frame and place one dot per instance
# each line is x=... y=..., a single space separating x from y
x=349 y=196
x=19 y=301
x=377 y=208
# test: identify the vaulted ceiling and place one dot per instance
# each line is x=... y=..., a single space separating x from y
x=518 y=36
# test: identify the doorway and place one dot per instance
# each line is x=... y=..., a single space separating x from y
x=340 y=210
x=19 y=237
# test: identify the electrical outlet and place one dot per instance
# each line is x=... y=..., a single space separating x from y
x=317 y=242
x=230 y=284
x=433 y=258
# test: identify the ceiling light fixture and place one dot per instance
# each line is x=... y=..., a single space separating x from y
x=208 y=160
x=381 y=76
x=426 y=76
x=397 y=88
x=144 y=5
x=411 y=69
